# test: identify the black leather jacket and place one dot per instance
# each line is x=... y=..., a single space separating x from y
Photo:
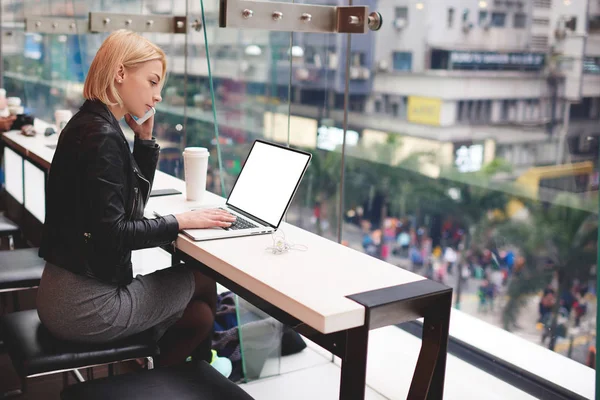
x=95 y=198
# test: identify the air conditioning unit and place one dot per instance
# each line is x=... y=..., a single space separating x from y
x=244 y=66
x=383 y=66
x=317 y=61
x=400 y=23
x=585 y=144
x=364 y=73
x=359 y=73
x=332 y=61
x=302 y=74
x=467 y=26
x=563 y=26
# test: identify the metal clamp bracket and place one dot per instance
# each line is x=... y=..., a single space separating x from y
x=108 y=22
x=58 y=25
x=277 y=16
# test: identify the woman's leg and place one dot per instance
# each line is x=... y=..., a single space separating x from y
x=192 y=333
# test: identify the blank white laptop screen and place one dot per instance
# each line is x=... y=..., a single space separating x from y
x=268 y=181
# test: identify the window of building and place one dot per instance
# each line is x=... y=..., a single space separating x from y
x=402 y=13
x=378 y=106
x=509 y=110
x=402 y=61
x=582 y=110
x=465 y=111
x=529 y=113
x=541 y=21
x=465 y=16
x=450 y=17
x=473 y=110
x=520 y=20
x=358 y=59
x=594 y=24
x=403 y=110
x=571 y=24
x=386 y=104
x=477 y=111
x=310 y=52
x=357 y=104
x=542 y=3
x=498 y=19
x=595 y=108
x=591 y=65
x=483 y=16
x=395 y=109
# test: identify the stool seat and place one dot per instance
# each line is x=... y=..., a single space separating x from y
x=20 y=268
x=7 y=227
x=182 y=382
x=33 y=350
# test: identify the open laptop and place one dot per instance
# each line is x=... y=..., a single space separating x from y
x=262 y=193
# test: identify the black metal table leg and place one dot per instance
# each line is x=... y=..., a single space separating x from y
x=111 y=369
x=16 y=305
x=354 y=364
x=428 y=380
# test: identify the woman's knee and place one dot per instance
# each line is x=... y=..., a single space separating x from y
x=206 y=288
x=197 y=316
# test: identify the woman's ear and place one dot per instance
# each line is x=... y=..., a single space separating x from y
x=120 y=74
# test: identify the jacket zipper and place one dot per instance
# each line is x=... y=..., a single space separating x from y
x=135 y=196
x=145 y=180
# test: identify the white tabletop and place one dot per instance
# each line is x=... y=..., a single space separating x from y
x=35 y=146
x=310 y=285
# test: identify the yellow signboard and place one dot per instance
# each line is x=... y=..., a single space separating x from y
x=424 y=110
x=303 y=131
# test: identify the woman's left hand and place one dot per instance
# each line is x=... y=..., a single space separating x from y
x=143 y=131
x=6 y=122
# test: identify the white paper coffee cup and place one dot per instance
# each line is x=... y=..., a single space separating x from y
x=16 y=110
x=61 y=118
x=195 y=165
x=13 y=101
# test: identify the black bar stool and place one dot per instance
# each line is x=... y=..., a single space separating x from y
x=20 y=270
x=35 y=352
x=182 y=382
x=9 y=230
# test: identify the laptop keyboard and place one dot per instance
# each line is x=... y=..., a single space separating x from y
x=241 y=223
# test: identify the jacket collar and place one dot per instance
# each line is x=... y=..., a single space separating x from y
x=98 y=107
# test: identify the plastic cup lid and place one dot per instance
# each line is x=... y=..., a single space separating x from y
x=195 y=150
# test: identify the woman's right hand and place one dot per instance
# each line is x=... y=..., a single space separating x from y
x=206 y=218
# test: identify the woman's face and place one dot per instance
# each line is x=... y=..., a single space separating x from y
x=140 y=87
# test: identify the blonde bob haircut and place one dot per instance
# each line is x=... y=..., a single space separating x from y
x=121 y=47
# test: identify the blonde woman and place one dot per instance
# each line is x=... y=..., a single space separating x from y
x=95 y=199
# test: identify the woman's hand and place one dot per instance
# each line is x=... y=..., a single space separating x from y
x=6 y=122
x=143 y=131
x=207 y=218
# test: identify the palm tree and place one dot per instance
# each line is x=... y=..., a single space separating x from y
x=367 y=171
x=468 y=197
x=556 y=241
x=322 y=179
